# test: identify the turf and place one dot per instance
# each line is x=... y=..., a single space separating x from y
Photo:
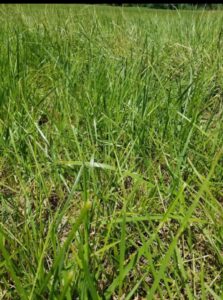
x=111 y=165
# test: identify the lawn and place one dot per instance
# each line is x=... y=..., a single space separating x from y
x=111 y=153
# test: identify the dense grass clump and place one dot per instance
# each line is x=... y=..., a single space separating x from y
x=111 y=167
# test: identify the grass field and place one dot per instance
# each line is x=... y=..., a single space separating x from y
x=111 y=153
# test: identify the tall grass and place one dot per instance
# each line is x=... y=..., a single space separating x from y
x=111 y=160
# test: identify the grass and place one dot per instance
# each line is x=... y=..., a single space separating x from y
x=111 y=147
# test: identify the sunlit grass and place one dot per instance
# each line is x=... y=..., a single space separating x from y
x=111 y=162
